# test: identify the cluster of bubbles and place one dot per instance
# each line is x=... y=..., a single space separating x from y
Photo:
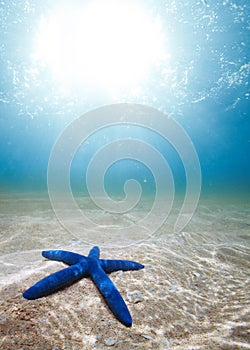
x=205 y=35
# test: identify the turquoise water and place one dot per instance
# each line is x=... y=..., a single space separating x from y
x=204 y=87
x=69 y=153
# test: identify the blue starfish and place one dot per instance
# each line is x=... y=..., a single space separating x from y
x=84 y=266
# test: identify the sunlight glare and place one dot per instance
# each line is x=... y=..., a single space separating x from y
x=109 y=44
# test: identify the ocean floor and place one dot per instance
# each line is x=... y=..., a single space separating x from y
x=195 y=288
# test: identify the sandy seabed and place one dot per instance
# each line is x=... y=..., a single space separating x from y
x=195 y=287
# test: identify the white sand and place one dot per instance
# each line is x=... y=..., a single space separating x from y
x=195 y=285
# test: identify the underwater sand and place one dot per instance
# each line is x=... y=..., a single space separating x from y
x=195 y=285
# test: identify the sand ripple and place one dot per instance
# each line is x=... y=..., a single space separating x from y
x=195 y=287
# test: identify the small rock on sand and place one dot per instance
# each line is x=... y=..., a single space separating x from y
x=134 y=296
x=109 y=342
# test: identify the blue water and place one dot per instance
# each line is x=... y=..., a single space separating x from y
x=207 y=93
x=195 y=285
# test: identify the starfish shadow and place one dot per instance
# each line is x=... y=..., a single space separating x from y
x=86 y=266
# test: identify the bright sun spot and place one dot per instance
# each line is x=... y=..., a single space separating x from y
x=106 y=44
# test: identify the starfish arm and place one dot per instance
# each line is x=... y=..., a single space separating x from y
x=68 y=258
x=94 y=253
x=110 y=293
x=116 y=265
x=57 y=281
